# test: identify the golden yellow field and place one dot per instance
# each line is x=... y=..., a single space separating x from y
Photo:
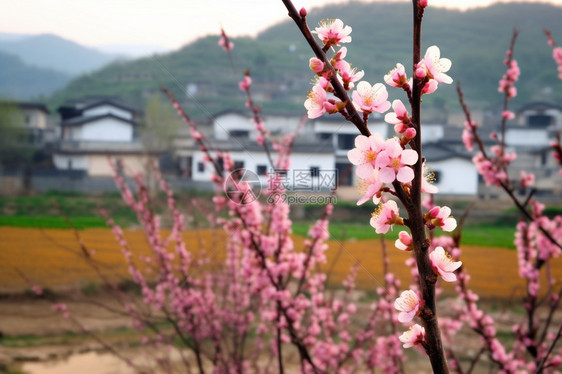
x=52 y=258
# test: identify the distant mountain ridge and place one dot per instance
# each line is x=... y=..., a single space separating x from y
x=21 y=81
x=53 y=52
x=475 y=41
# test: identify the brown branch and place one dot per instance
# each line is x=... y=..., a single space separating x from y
x=427 y=278
x=541 y=366
x=339 y=90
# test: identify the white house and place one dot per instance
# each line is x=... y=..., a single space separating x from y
x=452 y=172
x=30 y=117
x=94 y=132
x=529 y=135
x=320 y=151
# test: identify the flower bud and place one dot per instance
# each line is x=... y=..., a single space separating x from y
x=316 y=65
x=302 y=12
x=420 y=73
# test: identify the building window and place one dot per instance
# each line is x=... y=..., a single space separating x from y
x=261 y=169
x=324 y=135
x=200 y=167
x=346 y=141
x=539 y=120
x=239 y=134
x=314 y=171
x=220 y=164
x=345 y=174
x=238 y=165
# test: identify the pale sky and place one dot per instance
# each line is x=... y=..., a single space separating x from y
x=167 y=23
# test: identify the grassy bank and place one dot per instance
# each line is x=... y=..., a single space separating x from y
x=349 y=222
x=487 y=235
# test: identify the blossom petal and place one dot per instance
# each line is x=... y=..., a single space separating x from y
x=405 y=174
x=448 y=277
x=355 y=156
x=409 y=157
x=364 y=170
x=387 y=175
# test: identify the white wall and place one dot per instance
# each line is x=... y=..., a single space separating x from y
x=108 y=109
x=231 y=121
x=282 y=124
x=432 y=133
x=300 y=167
x=106 y=129
x=345 y=127
x=76 y=162
x=526 y=137
x=457 y=176
x=37 y=119
x=74 y=133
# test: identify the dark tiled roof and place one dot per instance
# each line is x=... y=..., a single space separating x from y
x=26 y=105
x=108 y=102
x=77 y=121
x=438 y=152
x=234 y=145
x=539 y=105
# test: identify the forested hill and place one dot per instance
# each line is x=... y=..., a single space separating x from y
x=475 y=40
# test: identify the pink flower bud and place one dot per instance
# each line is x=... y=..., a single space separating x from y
x=410 y=133
x=420 y=73
x=302 y=12
x=423 y=3
x=507 y=115
x=316 y=65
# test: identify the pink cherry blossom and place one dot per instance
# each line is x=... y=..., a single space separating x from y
x=394 y=162
x=315 y=102
x=396 y=77
x=370 y=99
x=435 y=66
x=399 y=118
x=370 y=187
x=440 y=217
x=429 y=87
x=507 y=115
x=338 y=57
x=415 y=335
x=557 y=56
x=245 y=84
x=408 y=305
x=385 y=217
x=365 y=154
x=225 y=43
x=333 y=32
x=507 y=83
x=348 y=75
x=444 y=265
x=527 y=179
x=468 y=139
x=404 y=241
